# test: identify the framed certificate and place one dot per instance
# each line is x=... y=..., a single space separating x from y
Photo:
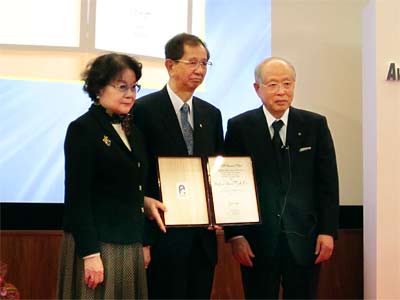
x=211 y=191
x=233 y=190
x=183 y=191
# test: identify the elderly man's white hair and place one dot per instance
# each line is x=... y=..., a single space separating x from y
x=259 y=68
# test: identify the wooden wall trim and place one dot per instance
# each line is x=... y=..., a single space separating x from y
x=32 y=258
x=21 y=233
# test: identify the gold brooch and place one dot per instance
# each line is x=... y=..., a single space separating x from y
x=106 y=141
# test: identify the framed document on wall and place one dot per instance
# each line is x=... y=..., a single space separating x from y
x=209 y=191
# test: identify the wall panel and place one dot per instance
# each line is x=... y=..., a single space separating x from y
x=32 y=258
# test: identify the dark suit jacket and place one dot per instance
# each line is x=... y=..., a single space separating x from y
x=104 y=183
x=308 y=205
x=155 y=116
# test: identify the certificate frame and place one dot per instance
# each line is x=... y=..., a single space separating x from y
x=202 y=192
x=233 y=191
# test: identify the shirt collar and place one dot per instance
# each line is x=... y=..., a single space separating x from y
x=177 y=102
x=271 y=119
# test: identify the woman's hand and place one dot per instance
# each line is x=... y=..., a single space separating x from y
x=146 y=256
x=94 y=271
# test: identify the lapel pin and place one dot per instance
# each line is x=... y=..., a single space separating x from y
x=106 y=141
x=201 y=125
x=299 y=133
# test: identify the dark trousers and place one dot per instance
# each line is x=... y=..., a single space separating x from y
x=264 y=281
x=181 y=277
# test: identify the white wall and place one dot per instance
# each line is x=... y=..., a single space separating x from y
x=381 y=45
x=322 y=38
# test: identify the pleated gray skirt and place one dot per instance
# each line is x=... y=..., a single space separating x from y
x=124 y=272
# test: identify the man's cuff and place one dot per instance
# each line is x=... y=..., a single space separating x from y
x=236 y=237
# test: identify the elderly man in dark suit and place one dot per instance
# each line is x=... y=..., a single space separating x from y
x=297 y=181
x=176 y=123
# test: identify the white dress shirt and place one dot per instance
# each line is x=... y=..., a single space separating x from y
x=177 y=103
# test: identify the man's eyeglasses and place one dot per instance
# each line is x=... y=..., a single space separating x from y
x=123 y=88
x=274 y=86
x=194 y=64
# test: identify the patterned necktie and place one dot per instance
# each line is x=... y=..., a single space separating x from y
x=187 y=130
x=276 y=140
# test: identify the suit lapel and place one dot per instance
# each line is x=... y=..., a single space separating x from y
x=137 y=146
x=199 y=120
x=109 y=131
x=169 y=121
x=263 y=141
x=295 y=132
x=262 y=132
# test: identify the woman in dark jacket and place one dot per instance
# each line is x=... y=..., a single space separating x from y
x=105 y=165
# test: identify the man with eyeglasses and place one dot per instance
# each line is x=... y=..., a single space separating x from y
x=175 y=123
x=297 y=182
